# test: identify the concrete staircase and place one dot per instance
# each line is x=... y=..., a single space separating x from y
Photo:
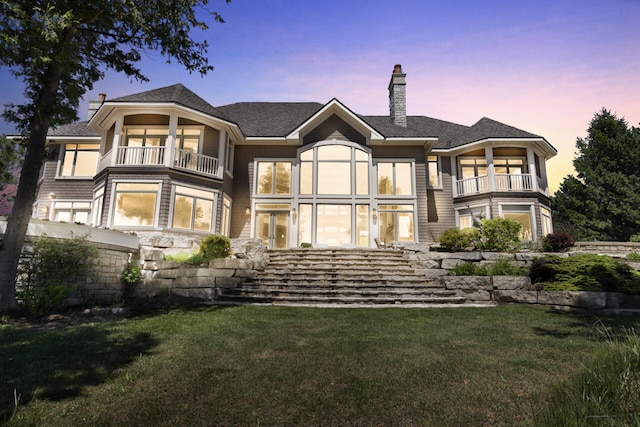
x=339 y=276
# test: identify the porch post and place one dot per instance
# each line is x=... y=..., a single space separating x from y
x=532 y=169
x=491 y=175
x=117 y=136
x=454 y=175
x=170 y=155
x=222 y=153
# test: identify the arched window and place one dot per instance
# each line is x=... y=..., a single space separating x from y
x=334 y=170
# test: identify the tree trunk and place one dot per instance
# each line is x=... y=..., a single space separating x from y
x=18 y=221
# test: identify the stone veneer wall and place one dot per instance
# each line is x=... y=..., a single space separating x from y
x=516 y=289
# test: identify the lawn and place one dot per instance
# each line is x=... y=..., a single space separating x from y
x=298 y=366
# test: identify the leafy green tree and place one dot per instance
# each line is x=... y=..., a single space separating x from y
x=11 y=154
x=601 y=203
x=59 y=49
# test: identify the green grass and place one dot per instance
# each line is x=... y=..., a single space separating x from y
x=298 y=366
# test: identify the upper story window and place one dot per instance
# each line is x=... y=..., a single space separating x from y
x=146 y=137
x=395 y=179
x=508 y=166
x=188 y=139
x=334 y=169
x=471 y=167
x=80 y=160
x=273 y=178
x=433 y=165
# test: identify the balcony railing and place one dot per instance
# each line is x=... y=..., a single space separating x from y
x=186 y=159
x=141 y=156
x=513 y=182
x=502 y=182
x=155 y=156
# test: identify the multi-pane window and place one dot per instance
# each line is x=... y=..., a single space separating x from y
x=395 y=179
x=471 y=217
x=396 y=223
x=80 y=160
x=339 y=170
x=433 y=165
x=547 y=227
x=474 y=175
x=521 y=214
x=98 y=204
x=225 y=223
x=77 y=212
x=135 y=204
x=273 y=178
x=192 y=209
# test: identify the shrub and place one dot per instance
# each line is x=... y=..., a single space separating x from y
x=584 y=272
x=557 y=242
x=500 y=234
x=48 y=278
x=501 y=267
x=214 y=246
x=633 y=256
x=129 y=278
x=635 y=238
x=454 y=239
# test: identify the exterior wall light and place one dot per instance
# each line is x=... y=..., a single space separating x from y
x=248 y=210
x=294 y=215
x=374 y=214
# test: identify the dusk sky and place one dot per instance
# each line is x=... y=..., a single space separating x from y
x=543 y=66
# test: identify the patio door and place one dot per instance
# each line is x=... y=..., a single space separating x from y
x=273 y=229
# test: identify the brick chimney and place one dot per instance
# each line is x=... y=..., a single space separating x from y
x=398 y=97
x=94 y=104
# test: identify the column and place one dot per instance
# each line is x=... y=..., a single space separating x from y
x=491 y=175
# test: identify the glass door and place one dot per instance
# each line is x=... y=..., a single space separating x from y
x=273 y=229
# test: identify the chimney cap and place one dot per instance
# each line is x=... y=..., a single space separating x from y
x=102 y=96
x=397 y=69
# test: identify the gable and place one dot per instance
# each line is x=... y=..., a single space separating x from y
x=334 y=127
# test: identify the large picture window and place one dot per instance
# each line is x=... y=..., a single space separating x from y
x=523 y=215
x=332 y=169
x=135 y=204
x=80 y=160
x=192 y=209
x=395 y=179
x=273 y=178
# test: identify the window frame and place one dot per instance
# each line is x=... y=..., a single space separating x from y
x=274 y=162
x=72 y=210
x=214 y=199
x=63 y=152
x=114 y=194
x=412 y=168
x=438 y=166
x=532 y=216
x=458 y=213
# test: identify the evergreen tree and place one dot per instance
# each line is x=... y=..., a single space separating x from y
x=603 y=201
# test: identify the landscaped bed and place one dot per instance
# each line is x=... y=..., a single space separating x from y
x=299 y=366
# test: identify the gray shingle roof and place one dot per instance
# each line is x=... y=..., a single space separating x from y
x=269 y=119
x=177 y=94
x=73 y=129
x=278 y=119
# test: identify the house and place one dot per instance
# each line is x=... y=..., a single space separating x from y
x=167 y=162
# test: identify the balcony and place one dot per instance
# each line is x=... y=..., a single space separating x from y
x=157 y=156
x=502 y=182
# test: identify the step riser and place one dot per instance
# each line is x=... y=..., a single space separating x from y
x=340 y=277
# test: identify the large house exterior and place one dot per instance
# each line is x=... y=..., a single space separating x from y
x=166 y=161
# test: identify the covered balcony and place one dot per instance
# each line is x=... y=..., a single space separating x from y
x=157 y=156
x=498 y=170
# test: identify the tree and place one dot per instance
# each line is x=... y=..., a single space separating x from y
x=601 y=203
x=59 y=49
x=10 y=162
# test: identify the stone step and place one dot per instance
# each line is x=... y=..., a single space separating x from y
x=340 y=276
x=361 y=300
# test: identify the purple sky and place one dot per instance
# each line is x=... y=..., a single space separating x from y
x=543 y=66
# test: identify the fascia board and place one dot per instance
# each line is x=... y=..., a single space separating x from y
x=108 y=112
x=336 y=107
